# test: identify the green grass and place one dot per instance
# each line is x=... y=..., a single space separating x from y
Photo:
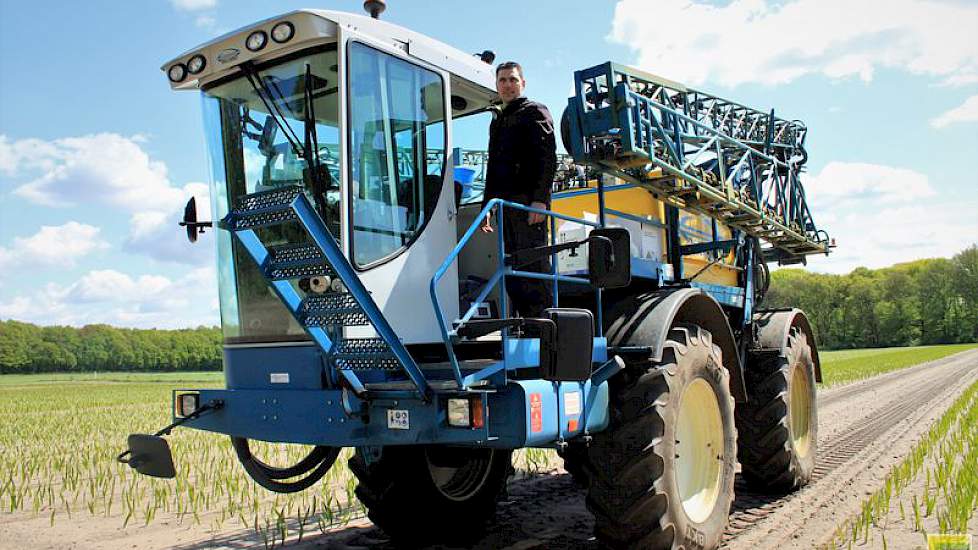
x=850 y=365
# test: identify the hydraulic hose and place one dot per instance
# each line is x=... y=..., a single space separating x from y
x=314 y=466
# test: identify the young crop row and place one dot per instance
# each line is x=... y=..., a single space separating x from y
x=948 y=455
x=58 y=444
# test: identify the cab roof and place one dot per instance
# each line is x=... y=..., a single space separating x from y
x=226 y=53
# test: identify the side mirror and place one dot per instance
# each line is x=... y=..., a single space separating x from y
x=609 y=257
x=190 y=220
x=565 y=350
x=149 y=455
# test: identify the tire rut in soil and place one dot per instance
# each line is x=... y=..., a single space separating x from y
x=750 y=507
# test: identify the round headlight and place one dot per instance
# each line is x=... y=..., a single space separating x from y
x=196 y=64
x=283 y=32
x=256 y=41
x=177 y=72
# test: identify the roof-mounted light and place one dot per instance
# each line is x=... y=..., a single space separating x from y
x=196 y=64
x=283 y=32
x=256 y=41
x=177 y=72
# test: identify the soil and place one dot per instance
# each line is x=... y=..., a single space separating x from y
x=864 y=429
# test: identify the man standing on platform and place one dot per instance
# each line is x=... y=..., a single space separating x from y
x=521 y=166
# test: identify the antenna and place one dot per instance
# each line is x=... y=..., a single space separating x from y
x=375 y=7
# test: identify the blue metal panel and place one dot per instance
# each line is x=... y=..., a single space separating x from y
x=318 y=418
x=727 y=295
x=251 y=367
x=526 y=414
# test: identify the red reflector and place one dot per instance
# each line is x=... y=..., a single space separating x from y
x=572 y=425
x=478 y=420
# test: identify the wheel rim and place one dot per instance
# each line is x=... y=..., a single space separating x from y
x=801 y=411
x=699 y=450
x=460 y=482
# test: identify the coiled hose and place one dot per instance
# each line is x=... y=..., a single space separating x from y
x=314 y=466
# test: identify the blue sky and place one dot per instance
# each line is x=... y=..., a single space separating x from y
x=97 y=155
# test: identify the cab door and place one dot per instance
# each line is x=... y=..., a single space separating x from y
x=400 y=200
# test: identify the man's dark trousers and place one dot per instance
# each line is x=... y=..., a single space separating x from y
x=528 y=296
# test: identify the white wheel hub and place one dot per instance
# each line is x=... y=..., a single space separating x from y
x=800 y=410
x=699 y=450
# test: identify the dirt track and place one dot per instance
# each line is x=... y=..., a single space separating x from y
x=864 y=428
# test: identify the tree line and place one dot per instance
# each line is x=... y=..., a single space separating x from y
x=932 y=301
x=27 y=348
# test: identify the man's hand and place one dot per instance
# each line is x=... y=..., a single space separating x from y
x=535 y=218
x=487 y=226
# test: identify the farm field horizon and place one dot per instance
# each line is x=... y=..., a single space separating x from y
x=60 y=434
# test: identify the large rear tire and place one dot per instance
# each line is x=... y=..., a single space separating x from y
x=778 y=425
x=421 y=495
x=664 y=468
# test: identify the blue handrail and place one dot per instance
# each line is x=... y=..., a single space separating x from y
x=498 y=277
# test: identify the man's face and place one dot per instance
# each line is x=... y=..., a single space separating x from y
x=509 y=84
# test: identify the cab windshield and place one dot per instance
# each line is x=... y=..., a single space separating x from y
x=277 y=127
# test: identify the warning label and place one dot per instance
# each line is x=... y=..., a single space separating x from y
x=536 y=413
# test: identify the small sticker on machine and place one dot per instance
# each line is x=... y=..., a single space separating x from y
x=278 y=377
x=398 y=420
x=572 y=403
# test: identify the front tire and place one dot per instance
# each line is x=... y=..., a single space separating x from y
x=428 y=494
x=664 y=468
x=778 y=425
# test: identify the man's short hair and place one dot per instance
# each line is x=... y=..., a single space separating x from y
x=509 y=65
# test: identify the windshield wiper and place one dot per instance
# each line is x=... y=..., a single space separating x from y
x=316 y=177
x=265 y=95
x=320 y=177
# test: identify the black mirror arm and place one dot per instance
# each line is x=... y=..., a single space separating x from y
x=197 y=225
x=530 y=255
x=213 y=405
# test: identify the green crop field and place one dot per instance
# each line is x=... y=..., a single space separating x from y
x=60 y=433
x=849 y=365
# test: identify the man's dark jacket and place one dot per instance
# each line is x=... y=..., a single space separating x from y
x=522 y=154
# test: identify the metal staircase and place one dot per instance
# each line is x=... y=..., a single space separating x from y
x=697 y=151
x=322 y=315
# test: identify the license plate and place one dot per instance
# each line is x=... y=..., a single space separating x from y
x=398 y=420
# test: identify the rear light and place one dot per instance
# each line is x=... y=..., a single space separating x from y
x=478 y=416
x=187 y=403
x=466 y=412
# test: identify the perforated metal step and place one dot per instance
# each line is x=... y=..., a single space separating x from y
x=293 y=261
x=332 y=309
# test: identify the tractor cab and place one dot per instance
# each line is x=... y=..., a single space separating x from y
x=357 y=113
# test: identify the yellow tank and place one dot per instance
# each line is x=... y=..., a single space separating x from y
x=644 y=216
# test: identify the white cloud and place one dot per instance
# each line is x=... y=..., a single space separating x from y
x=841 y=184
x=193 y=5
x=52 y=246
x=966 y=112
x=776 y=42
x=113 y=171
x=882 y=215
x=109 y=296
x=102 y=168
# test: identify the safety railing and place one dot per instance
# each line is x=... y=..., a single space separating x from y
x=498 y=278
